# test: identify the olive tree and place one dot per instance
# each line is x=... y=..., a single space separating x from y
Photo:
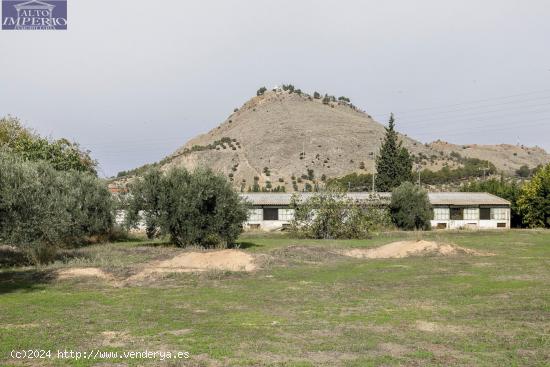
x=331 y=214
x=410 y=207
x=193 y=208
x=42 y=208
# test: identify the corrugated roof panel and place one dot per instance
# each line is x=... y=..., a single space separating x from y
x=436 y=198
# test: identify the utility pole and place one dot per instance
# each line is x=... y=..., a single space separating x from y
x=484 y=169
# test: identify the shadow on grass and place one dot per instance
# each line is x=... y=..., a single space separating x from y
x=244 y=245
x=28 y=280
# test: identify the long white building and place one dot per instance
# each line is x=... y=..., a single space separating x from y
x=451 y=210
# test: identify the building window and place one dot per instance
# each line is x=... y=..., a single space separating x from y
x=499 y=213
x=286 y=214
x=271 y=214
x=471 y=213
x=441 y=213
x=485 y=213
x=457 y=214
x=255 y=215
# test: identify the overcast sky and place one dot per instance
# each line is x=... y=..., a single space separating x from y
x=134 y=80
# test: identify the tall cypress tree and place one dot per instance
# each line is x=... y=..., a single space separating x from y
x=393 y=163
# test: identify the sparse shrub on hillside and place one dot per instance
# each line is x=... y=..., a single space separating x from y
x=344 y=99
x=308 y=187
x=523 y=171
x=316 y=95
x=261 y=91
x=266 y=171
x=410 y=207
x=352 y=182
x=361 y=165
x=310 y=174
x=323 y=177
x=472 y=168
x=194 y=208
x=288 y=87
x=281 y=179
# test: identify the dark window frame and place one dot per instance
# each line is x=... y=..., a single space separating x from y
x=270 y=214
x=484 y=213
x=457 y=213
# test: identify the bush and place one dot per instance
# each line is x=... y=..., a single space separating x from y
x=523 y=171
x=194 y=208
x=316 y=95
x=329 y=215
x=534 y=200
x=261 y=91
x=42 y=207
x=62 y=154
x=410 y=207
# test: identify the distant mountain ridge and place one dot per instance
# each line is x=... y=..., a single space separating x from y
x=288 y=139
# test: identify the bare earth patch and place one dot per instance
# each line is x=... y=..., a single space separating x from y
x=432 y=327
x=401 y=249
x=224 y=260
x=71 y=273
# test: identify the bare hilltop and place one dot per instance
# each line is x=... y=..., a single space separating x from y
x=283 y=135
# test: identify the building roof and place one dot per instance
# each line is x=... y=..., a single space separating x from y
x=436 y=198
x=465 y=198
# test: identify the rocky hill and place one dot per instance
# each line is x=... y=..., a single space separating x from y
x=288 y=138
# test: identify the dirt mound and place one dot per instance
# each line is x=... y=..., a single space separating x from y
x=71 y=273
x=232 y=260
x=402 y=249
x=228 y=260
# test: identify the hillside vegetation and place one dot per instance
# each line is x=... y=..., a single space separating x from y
x=285 y=140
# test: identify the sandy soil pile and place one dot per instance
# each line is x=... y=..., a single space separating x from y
x=230 y=260
x=402 y=249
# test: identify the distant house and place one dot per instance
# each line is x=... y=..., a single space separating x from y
x=451 y=210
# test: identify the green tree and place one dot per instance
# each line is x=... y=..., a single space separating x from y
x=393 y=163
x=145 y=203
x=62 y=154
x=534 y=200
x=523 y=171
x=410 y=207
x=329 y=215
x=194 y=208
x=42 y=208
x=261 y=91
x=508 y=190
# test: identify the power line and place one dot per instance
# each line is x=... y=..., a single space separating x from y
x=474 y=101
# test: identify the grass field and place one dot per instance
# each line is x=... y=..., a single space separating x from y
x=306 y=306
